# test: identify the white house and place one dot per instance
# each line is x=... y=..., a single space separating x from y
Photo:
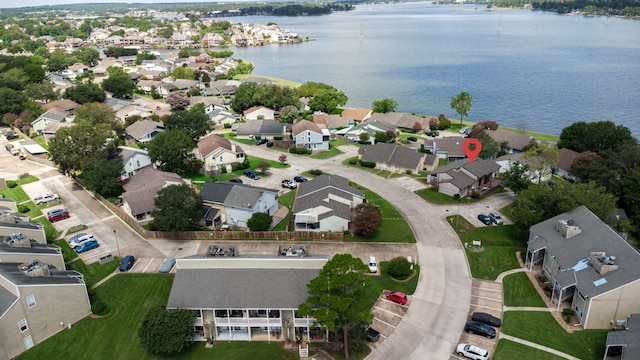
x=218 y=153
x=259 y=113
x=310 y=136
x=53 y=115
x=133 y=160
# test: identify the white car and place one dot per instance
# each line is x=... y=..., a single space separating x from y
x=45 y=198
x=472 y=352
x=373 y=265
x=80 y=240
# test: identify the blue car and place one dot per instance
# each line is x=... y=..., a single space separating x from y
x=167 y=265
x=86 y=246
x=126 y=263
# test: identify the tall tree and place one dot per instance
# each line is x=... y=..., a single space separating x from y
x=85 y=93
x=95 y=114
x=178 y=100
x=368 y=219
x=489 y=148
x=44 y=91
x=11 y=101
x=517 y=178
x=177 y=207
x=461 y=103
x=173 y=151
x=102 y=177
x=80 y=146
x=595 y=136
x=120 y=85
x=166 y=331
x=195 y=122
x=384 y=106
x=338 y=296
x=327 y=100
x=544 y=158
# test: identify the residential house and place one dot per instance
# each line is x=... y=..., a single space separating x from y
x=210 y=103
x=447 y=148
x=263 y=128
x=65 y=105
x=332 y=122
x=358 y=114
x=399 y=120
x=238 y=202
x=144 y=130
x=50 y=116
x=141 y=190
x=218 y=154
x=18 y=248
x=393 y=158
x=148 y=85
x=133 y=110
x=245 y=297
x=222 y=117
x=75 y=70
x=462 y=177
x=325 y=204
x=31 y=306
x=15 y=224
x=369 y=127
x=506 y=162
x=511 y=141
x=133 y=160
x=310 y=136
x=625 y=342
x=212 y=40
x=566 y=160
x=592 y=270
x=51 y=128
x=259 y=113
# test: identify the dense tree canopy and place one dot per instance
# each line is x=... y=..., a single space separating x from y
x=102 y=176
x=11 y=101
x=517 y=178
x=173 y=151
x=310 y=88
x=166 y=331
x=274 y=96
x=96 y=114
x=595 y=136
x=461 y=103
x=195 y=122
x=178 y=100
x=259 y=221
x=490 y=147
x=85 y=93
x=338 y=297
x=368 y=219
x=384 y=106
x=327 y=100
x=121 y=86
x=80 y=146
x=177 y=208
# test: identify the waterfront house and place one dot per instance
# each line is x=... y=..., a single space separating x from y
x=393 y=158
x=463 y=178
x=307 y=135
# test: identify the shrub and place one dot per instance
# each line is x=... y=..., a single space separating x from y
x=444 y=124
x=227 y=126
x=240 y=166
x=232 y=134
x=408 y=172
x=475 y=195
x=399 y=268
x=258 y=137
x=11 y=183
x=316 y=172
x=24 y=176
x=368 y=164
x=293 y=150
x=277 y=138
x=23 y=209
x=99 y=307
x=353 y=160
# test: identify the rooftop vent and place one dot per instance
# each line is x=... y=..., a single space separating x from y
x=218 y=250
x=35 y=268
x=300 y=250
x=567 y=228
x=18 y=240
x=602 y=263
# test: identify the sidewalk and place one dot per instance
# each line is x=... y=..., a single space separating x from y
x=536 y=346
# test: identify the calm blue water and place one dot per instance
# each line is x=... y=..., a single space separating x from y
x=542 y=71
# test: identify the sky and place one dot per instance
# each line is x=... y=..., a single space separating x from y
x=25 y=3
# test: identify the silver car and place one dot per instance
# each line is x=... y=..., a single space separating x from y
x=496 y=218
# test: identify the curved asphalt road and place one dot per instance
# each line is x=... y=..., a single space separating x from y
x=439 y=308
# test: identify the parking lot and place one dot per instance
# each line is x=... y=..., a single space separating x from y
x=386 y=316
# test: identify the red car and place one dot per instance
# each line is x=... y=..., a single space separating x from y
x=397 y=297
x=58 y=214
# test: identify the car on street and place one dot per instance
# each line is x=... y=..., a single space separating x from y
x=397 y=297
x=478 y=328
x=167 y=265
x=14 y=151
x=465 y=130
x=373 y=265
x=10 y=135
x=57 y=215
x=300 y=178
x=45 y=198
x=289 y=184
x=486 y=318
x=372 y=334
x=251 y=174
x=126 y=263
x=236 y=180
x=261 y=141
x=496 y=218
x=485 y=219
x=81 y=240
x=412 y=138
x=433 y=133
x=472 y=352
x=86 y=246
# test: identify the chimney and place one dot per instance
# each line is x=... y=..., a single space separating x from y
x=602 y=263
x=567 y=229
x=233 y=147
x=35 y=268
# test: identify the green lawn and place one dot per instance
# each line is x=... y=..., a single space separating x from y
x=94 y=272
x=499 y=247
x=26 y=180
x=333 y=151
x=254 y=161
x=40 y=140
x=286 y=200
x=15 y=193
x=508 y=350
x=382 y=173
x=196 y=176
x=519 y=291
x=49 y=230
x=115 y=335
x=433 y=196
x=34 y=211
x=385 y=282
x=68 y=253
x=542 y=328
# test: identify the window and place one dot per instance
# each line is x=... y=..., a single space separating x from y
x=31 y=301
x=22 y=324
x=582 y=296
x=28 y=342
x=221 y=159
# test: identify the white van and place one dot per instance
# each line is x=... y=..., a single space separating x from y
x=81 y=240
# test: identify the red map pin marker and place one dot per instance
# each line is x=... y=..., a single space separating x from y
x=472 y=154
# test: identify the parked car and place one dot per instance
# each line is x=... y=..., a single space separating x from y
x=486 y=318
x=236 y=180
x=465 y=130
x=75 y=237
x=81 y=240
x=412 y=138
x=300 y=178
x=45 y=198
x=484 y=219
x=496 y=218
x=251 y=174
x=126 y=263
x=10 y=135
x=86 y=246
x=167 y=265
x=269 y=144
x=261 y=141
x=372 y=334
x=373 y=265
x=15 y=152
x=57 y=215
x=397 y=297
x=433 y=133
x=289 y=184
x=472 y=352
x=478 y=328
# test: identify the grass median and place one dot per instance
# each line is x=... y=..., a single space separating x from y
x=508 y=350
x=519 y=291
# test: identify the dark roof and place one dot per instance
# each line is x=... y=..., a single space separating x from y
x=141 y=189
x=391 y=154
x=6 y=299
x=596 y=236
x=211 y=142
x=567 y=158
x=629 y=338
x=36 y=248
x=452 y=145
x=479 y=168
x=232 y=194
x=11 y=272
x=262 y=127
x=315 y=192
x=515 y=140
x=209 y=213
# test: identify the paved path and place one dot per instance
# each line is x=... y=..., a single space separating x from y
x=509 y=272
x=536 y=346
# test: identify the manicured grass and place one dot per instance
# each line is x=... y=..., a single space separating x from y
x=94 y=272
x=541 y=328
x=382 y=173
x=15 y=193
x=519 y=291
x=333 y=151
x=115 y=335
x=394 y=228
x=508 y=350
x=385 y=282
x=68 y=253
x=286 y=200
x=26 y=180
x=499 y=247
x=40 y=140
x=433 y=196
x=195 y=176
x=49 y=230
x=34 y=211
x=254 y=161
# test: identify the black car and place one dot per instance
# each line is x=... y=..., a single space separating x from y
x=433 y=133
x=236 y=180
x=479 y=328
x=486 y=318
x=485 y=219
x=372 y=334
x=261 y=141
x=269 y=143
x=299 y=178
x=412 y=138
x=10 y=135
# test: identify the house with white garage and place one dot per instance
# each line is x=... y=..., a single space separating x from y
x=591 y=268
x=259 y=113
x=218 y=154
x=133 y=159
x=307 y=135
x=247 y=297
x=511 y=141
x=236 y=203
x=369 y=127
x=448 y=148
x=462 y=177
x=325 y=204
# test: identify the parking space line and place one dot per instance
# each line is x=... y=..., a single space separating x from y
x=387 y=311
x=149 y=264
x=485 y=297
x=486 y=307
x=386 y=323
x=481 y=288
x=393 y=302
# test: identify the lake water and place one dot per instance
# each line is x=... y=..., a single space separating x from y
x=542 y=71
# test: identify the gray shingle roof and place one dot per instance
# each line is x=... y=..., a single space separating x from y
x=11 y=272
x=391 y=154
x=262 y=127
x=232 y=194
x=6 y=299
